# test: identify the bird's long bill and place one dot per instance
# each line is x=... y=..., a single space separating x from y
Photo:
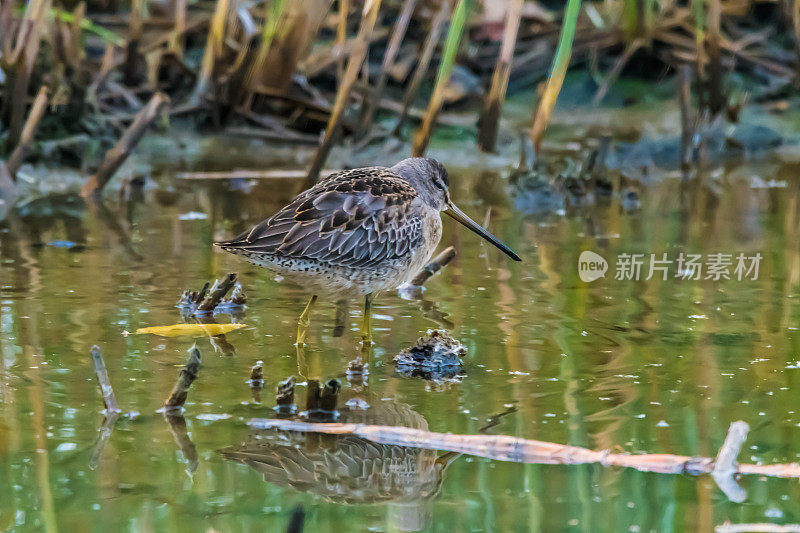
x=459 y=215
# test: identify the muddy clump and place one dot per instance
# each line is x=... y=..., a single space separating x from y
x=436 y=356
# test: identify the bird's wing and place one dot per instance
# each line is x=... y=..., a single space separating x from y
x=356 y=218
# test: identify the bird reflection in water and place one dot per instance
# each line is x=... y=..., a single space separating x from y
x=345 y=468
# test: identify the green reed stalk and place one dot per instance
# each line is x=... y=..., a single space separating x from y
x=557 y=72
x=451 y=44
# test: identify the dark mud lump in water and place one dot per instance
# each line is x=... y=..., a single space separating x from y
x=435 y=356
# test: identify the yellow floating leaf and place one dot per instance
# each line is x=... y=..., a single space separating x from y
x=193 y=330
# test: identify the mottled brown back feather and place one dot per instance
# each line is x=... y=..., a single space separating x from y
x=357 y=218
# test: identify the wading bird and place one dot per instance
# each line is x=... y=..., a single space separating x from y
x=357 y=233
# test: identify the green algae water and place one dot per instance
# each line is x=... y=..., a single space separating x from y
x=629 y=365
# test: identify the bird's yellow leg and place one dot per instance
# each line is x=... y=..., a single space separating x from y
x=304 y=322
x=366 y=327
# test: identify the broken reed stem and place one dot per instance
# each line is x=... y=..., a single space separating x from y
x=109 y=399
x=457 y=24
x=187 y=376
x=434 y=266
x=217 y=292
x=518 y=450
x=257 y=373
x=28 y=132
x=374 y=96
x=357 y=56
x=117 y=155
x=493 y=105
x=422 y=66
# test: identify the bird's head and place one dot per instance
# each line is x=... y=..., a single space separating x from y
x=429 y=179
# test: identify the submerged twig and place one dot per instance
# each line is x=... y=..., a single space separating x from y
x=109 y=399
x=434 y=266
x=187 y=376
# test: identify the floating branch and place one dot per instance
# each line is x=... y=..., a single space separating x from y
x=757 y=528
x=181 y=389
x=109 y=399
x=117 y=155
x=513 y=449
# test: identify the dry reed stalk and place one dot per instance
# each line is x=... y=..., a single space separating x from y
x=213 y=51
x=374 y=96
x=357 y=56
x=457 y=24
x=176 y=37
x=422 y=66
x=117 y=155
x=181 y=389
x=28 y=132
x=341 y=36
x=493 y=105
x=17 y=60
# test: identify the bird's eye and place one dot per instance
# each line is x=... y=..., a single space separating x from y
x=438 y=184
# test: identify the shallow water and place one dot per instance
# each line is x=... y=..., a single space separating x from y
x=632 y=366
